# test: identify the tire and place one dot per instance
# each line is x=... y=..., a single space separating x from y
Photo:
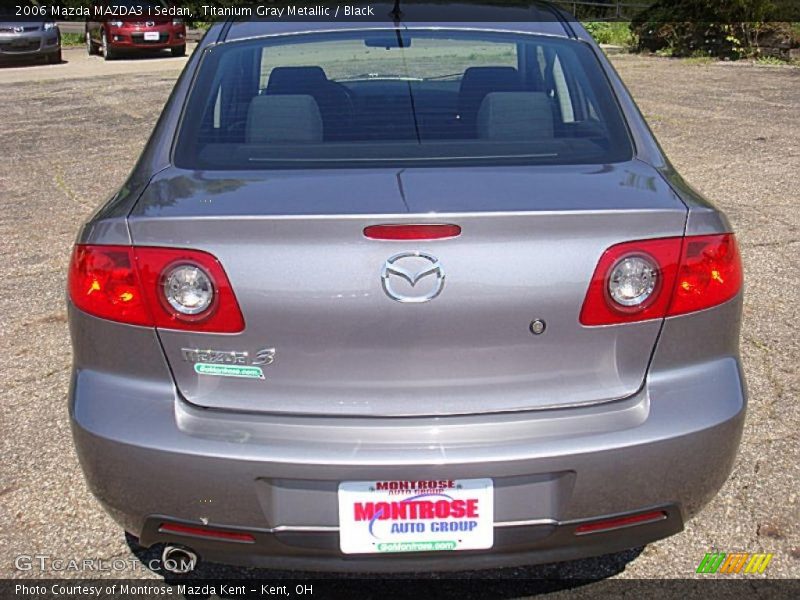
x=91 y=49
x=178 y=50
x=108 y=52
x=55 y=58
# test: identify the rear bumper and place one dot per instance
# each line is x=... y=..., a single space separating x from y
x=150 y=457
x=153 y=457
x=518 y=545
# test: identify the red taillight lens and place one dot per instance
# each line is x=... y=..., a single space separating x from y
x=126 y=284
x=436 y=231
x=693 y=273
x=223 y=316
x=620 y=522
x=104 y=282
x=710 y=273
x=206 y=532
x=600 y=309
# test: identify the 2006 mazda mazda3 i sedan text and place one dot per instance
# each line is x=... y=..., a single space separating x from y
x=396 y=296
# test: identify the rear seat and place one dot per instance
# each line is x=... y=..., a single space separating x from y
x=476 y=83
x=300 y=104
x=332 y=98
x=515 y=116
x=284 y=118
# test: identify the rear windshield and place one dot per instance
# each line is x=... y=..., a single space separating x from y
x=385 y=98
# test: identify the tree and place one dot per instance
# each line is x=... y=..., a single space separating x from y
x=722 y=28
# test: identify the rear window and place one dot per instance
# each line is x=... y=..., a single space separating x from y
x=420 y=97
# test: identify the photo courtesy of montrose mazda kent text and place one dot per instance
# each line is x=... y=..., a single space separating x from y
x=404 y=295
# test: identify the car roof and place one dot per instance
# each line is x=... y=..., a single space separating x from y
x=540 y=18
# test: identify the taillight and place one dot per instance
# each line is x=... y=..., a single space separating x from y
x=104 y=282
x=164 y=270
x=652 y=279
x=604 y=307
x=170 y=288
x=710 y=273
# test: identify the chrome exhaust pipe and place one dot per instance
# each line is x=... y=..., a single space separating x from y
x=178 y=559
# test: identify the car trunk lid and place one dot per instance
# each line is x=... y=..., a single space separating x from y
x=312 y=287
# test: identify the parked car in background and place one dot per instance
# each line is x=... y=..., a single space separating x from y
x=28 y=40
x=397 y=296
x=115 y=36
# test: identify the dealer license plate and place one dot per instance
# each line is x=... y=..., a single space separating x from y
x=151 y=36
x=415 y=516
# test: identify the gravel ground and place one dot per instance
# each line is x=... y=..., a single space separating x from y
x=732 y=130
x=78 y=64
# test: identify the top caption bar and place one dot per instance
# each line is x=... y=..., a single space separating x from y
x=656 y=11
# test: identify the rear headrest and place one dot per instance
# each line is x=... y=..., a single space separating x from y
x=479 y=81
x=283 y=80
x=515 y=116
x=283 y=118
x=494 y=78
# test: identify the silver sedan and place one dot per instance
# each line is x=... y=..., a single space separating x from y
x=391 y=296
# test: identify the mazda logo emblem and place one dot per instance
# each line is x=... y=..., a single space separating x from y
x=412 y=268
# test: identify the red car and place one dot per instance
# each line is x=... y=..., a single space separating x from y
x=127 y=26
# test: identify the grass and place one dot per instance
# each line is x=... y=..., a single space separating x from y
x=616 y=33
x=771 y=61
x=72 y=39
x=697 y=58
x=700 y=58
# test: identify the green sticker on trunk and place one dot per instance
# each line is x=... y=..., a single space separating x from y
x=229 y=371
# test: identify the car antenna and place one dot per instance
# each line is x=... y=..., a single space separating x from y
x=396 y=13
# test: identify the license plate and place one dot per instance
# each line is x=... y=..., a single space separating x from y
x=151 y=36
x=415 y=516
